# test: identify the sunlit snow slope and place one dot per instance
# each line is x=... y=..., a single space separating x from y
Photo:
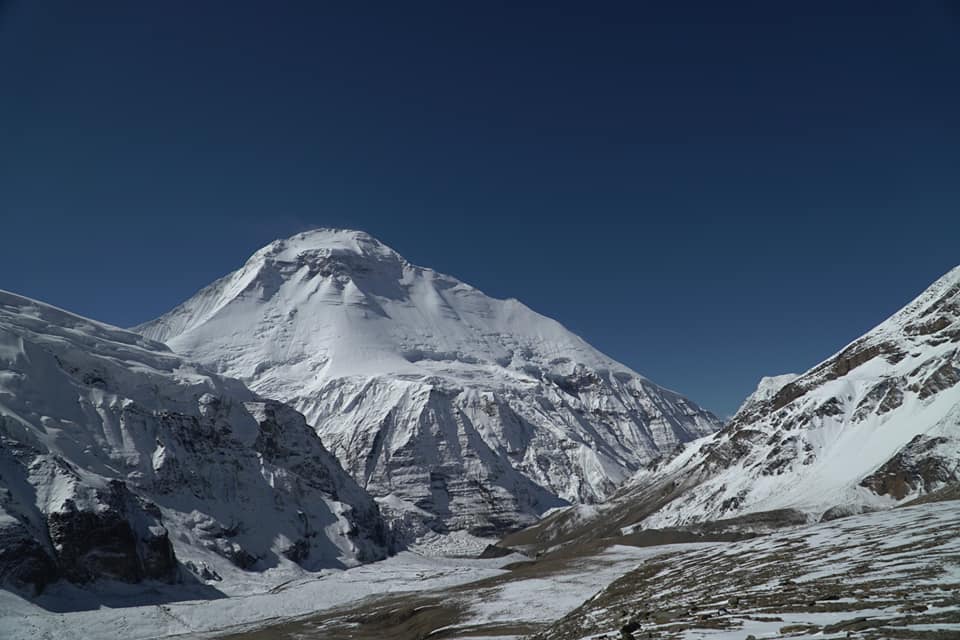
x=871 y=427
x=877 y=423
x=456 y=409
x=120 y=460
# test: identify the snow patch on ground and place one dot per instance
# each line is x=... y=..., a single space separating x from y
x=113 y=613
x=545 y=599
x=896 y=569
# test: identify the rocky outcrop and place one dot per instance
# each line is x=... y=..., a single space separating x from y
x=80 y=531
x=117 y=458
x=122 y=539
x=881 y=415
x=924 y=465
x=285 y=441
x=943 y=377
x=25 y=562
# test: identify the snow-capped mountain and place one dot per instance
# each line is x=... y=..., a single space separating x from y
x=873 y=425
x=118 y=459
x=766 y=389
x=453 y=407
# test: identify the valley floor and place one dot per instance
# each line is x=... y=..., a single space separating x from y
x=510 y=605
x=65 y=612
x=893 y=574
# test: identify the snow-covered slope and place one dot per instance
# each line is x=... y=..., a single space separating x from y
x=118 y=459
x=766 y=389
x=870 y=427
x=467 y=411
x=877 y=423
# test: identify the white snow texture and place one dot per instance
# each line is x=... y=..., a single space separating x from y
x=116 y=453
x=456 y=409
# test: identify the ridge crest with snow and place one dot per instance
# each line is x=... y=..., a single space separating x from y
x=439 y=399
x=873 y=425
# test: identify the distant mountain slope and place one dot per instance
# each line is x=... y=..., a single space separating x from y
x=766 y=389
x=872 y=426
x=455 y=408
x=118 y=459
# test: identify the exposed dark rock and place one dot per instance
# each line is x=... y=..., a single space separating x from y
x=580 y=380
x=90 y=545
x=948 y=303
x=950 y=491
x=119 y=540
x=157 y=555
x=855 y=624
x=202 y=570
x=631 y=626
x=752 y=522
x=944 y=377
x=892 y=400
x=926 y=328
x=285 y=439
x=831 y=407
x=916 y=467
x=495 y=551
x=872 y=399
x=298 y=551
x=842 y=511
x=24 y=562
x=850 y=358
x=240 y=556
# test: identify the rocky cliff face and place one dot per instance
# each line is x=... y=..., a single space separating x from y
x=457 y=410
x=120 y=460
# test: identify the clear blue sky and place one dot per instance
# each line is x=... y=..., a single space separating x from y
x=707 y=191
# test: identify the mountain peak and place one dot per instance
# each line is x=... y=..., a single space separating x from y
x=766 y=389
x=422 y=385
x=327 y=243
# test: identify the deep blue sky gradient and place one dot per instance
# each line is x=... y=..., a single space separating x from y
x=707 y=191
